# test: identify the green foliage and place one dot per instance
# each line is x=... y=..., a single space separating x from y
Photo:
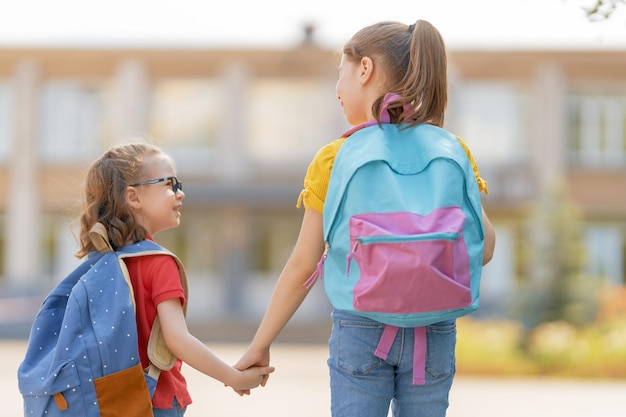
x=553 y=286
x=557 y=349
x=491 y=348
x=600 y=10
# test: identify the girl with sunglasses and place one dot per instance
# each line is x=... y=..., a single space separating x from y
x=133 y=191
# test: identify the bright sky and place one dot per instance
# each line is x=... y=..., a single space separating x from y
x=277 y=23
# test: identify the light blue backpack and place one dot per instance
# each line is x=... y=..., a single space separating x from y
x=403 y=230
x=82 y=357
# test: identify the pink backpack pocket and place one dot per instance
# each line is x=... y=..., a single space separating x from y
x=410 y=263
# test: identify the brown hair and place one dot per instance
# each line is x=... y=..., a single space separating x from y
x=105 y=198
x=414 y=62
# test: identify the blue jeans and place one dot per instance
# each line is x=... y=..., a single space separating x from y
x=363 y=385
x=170 y=412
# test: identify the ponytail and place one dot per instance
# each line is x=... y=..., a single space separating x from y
x=413 y=58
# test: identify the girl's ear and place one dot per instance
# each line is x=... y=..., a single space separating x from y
x=366 y=69
x=132 y=198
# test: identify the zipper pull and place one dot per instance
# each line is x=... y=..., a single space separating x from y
x=350 y=255
x=318 y=273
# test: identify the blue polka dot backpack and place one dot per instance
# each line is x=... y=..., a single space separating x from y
x=82 y=355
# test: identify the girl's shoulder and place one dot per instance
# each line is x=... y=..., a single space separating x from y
x=325 y=157
x=317 y=176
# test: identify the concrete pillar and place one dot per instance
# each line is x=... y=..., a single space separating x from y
x=232 y=136
x=234 y=233
x=130 y=101
x=22 y=240
x=234 y=244
x=548 y=118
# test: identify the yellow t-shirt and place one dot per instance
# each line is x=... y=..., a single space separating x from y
x=318 y=175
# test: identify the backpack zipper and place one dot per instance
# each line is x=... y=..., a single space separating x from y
x=319 y=272
x=390 y=239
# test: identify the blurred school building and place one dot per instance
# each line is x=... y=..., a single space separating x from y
x=243 y=125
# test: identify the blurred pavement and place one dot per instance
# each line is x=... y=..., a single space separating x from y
x=300 y=387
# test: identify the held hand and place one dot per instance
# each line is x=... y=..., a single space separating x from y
x=251 y=378
x=253 y=358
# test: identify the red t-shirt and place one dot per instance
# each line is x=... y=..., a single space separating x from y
x=155 y=278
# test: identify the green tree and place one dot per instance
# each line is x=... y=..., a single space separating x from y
x=600 y=10
x=554 y=286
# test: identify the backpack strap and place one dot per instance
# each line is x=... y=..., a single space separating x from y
x=100 y=238
x=161 y=359
x=386 y=341
x=419 y=350
x=419 y=355
x=158 y=352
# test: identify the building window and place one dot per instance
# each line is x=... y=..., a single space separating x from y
x=291 y=119
x=492 y=119
x=6 y=121
x=273 y=236
x=606 y=245
x=70 y=125
x=598 y=130
x=185 y=113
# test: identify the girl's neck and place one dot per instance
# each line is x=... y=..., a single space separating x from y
x=384 y=114
x=359 y=127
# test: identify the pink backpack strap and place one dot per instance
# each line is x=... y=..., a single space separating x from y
x=384 y=114
x=419 y=350
x=419 y=356
x=386 y=341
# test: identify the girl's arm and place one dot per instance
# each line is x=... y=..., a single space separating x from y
x=289 y=292
x=490 y=239
x=190 y=350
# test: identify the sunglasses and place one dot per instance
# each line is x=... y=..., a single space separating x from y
x=176 y=185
